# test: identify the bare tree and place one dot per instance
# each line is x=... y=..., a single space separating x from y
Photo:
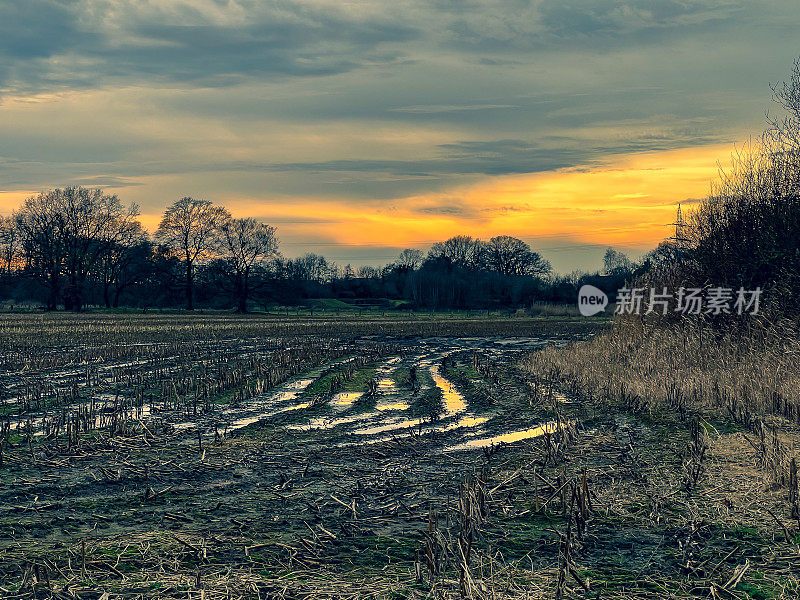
x=93 y=223
x=66 y=233
x=461 y=250
x=368 y=272
x=128 y=247
x=40 y=235
x=190 y=228
x=511 y=256
x=615 y=261
x=245 y=243
x=309 y=267
x=784 y=130
x=410 y=259
x=747 y=232
x=9 y=244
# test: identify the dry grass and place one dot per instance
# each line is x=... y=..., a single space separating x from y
x=753 y=370
x=729 y=461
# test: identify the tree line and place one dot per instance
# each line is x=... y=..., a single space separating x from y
x=73 y=247
x=746 y=233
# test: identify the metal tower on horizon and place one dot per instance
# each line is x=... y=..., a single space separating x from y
x=680 y=239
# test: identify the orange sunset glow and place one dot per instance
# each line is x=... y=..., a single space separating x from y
x=628 y=201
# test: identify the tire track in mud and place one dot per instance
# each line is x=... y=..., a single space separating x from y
x=384 y=413
x=457 y=425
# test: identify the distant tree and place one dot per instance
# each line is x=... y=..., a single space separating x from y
x=461 y=250
x=94 y=223
x=190 y=229
x=782 y=137
x=348 y=272
x=130 y=246
x=40 y=230
x=511 y=256
x=368 y=272
x=165 y=285
x=410 y=259
x=126 y=265
x=246 y=243
x=9 y=244
x=67 y=233
x=309 y=267
x=662 y=257
x=615 y=262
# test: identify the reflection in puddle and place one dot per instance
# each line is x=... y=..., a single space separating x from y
x=389 y=425
x=295 y=407
x=386 y=386
x=328 y=423
x=454 y=405
x=472 y=421
x=289 y=392
x=510 y=437
x=343 y=400
x=418 y=429
x=244 y=422
x=562 y=398
x=395 y=405
x=453 y=400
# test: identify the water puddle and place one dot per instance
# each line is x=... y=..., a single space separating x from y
x=244 y=422
x=285 y=393
x=390 y=405
x=388 y=425
x=454 y=405
x=470 y=421
x=344 y=400
x=329 y=423
x=417 y=429
x=563 y=399
x=453 y=400
x=180 y=426
x=509 y=437
x=386 y=385
x=288 y=392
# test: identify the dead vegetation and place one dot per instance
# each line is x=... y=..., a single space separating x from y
x=733 y=397
x=618 y=496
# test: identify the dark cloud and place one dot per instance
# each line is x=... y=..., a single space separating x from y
x=63 y=43
x=36 y=29
x=499 y=157
x=444 y=209
x=601 y=24
x=46 y=44
x=319 y=44
x=503 y=160
x=104 y=181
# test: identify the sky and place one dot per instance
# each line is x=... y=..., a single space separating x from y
x=359 y=128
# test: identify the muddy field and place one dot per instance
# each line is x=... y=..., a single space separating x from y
x=288 y=462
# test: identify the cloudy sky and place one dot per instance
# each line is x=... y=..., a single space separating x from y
x=362 y=127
